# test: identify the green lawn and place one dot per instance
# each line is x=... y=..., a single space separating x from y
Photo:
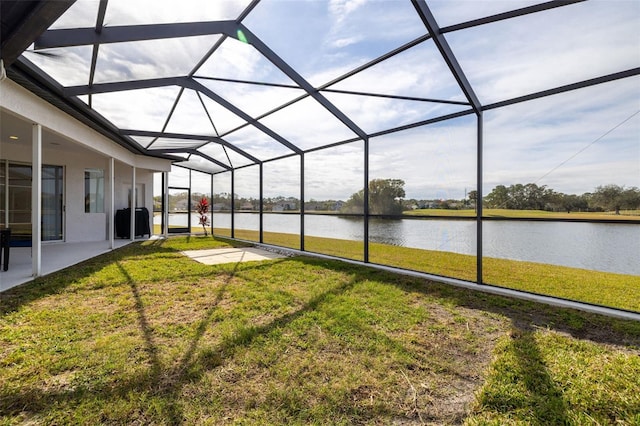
x=601 y=288
x=144 y=335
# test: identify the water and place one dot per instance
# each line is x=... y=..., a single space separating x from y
x=606 y=247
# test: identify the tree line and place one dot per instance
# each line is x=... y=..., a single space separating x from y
x=540 y=197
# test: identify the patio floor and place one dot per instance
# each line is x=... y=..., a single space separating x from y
x=231 y=255
x=55 y=256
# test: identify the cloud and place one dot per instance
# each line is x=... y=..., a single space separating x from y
x=237 y=60
x=150 y=59
x=144 y=109
x=567 y=141
x=69 y=66
x=344 y=42
x=548 y=49
x=282 y=178
x=122 y=12
x=436 y=161
x=340 y=9
x=307 y=125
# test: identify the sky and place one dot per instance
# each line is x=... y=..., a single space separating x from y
x=571 y=142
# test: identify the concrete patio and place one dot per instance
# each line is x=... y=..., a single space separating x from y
x=55 y=256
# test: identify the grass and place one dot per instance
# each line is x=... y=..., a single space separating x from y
x=600 y=288
x=144 y=335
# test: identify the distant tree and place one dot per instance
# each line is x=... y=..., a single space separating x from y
x=473 y=198
x=573 y=202
x=631 y=198
x=498 y=198
x=609 y=197
x=385 y=197
x=355 y=203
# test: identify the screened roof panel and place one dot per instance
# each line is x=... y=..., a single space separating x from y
x=455 y=12
x=292 y=50
x=223 y=119
x=198 y=163
x=418 y=72
x=323 y=40
x=257 y=143
x=143 y=141
x=143 y=109
x=225 y=155
x=308 y=125
x=81 y=14
x=148 y=59
x=173 y=143
x=84 y=98
x=190 y=116
x=253 y=99
x=126 y=12
x=541 y=51
x=216 y=151
x=375 y=114
x=240 y=61
x=69 y=66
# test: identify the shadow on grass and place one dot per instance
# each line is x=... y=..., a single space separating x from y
x=11 y=300
x=160 y=381
x=544 y=398
x=522 y=384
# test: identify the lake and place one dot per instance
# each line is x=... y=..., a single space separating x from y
x=610 y=247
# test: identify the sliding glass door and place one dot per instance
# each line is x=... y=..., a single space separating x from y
x=179 y=210
x=16 y=204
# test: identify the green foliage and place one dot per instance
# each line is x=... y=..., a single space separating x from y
x=202 y=208
x=615 y=197
x=385 y=198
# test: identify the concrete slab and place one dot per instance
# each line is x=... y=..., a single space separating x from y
x=231 y=255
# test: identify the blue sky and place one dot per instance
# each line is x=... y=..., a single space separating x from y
x=323 y=39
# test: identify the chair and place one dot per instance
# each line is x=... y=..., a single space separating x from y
x=5 y=237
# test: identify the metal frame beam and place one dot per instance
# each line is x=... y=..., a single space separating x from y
x=300 y=81
x=25 y=73
x=40 y=16
x=186 y=83
x=193 y=152
x=102 y=10
x=199 y=87
x=566 y=88
x=207 y=138
x=443 y=46
x=398 y=97
x=126 y=33
x=122 y=86
x=508 y=15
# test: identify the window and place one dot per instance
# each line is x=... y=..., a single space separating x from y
x=93 y=191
